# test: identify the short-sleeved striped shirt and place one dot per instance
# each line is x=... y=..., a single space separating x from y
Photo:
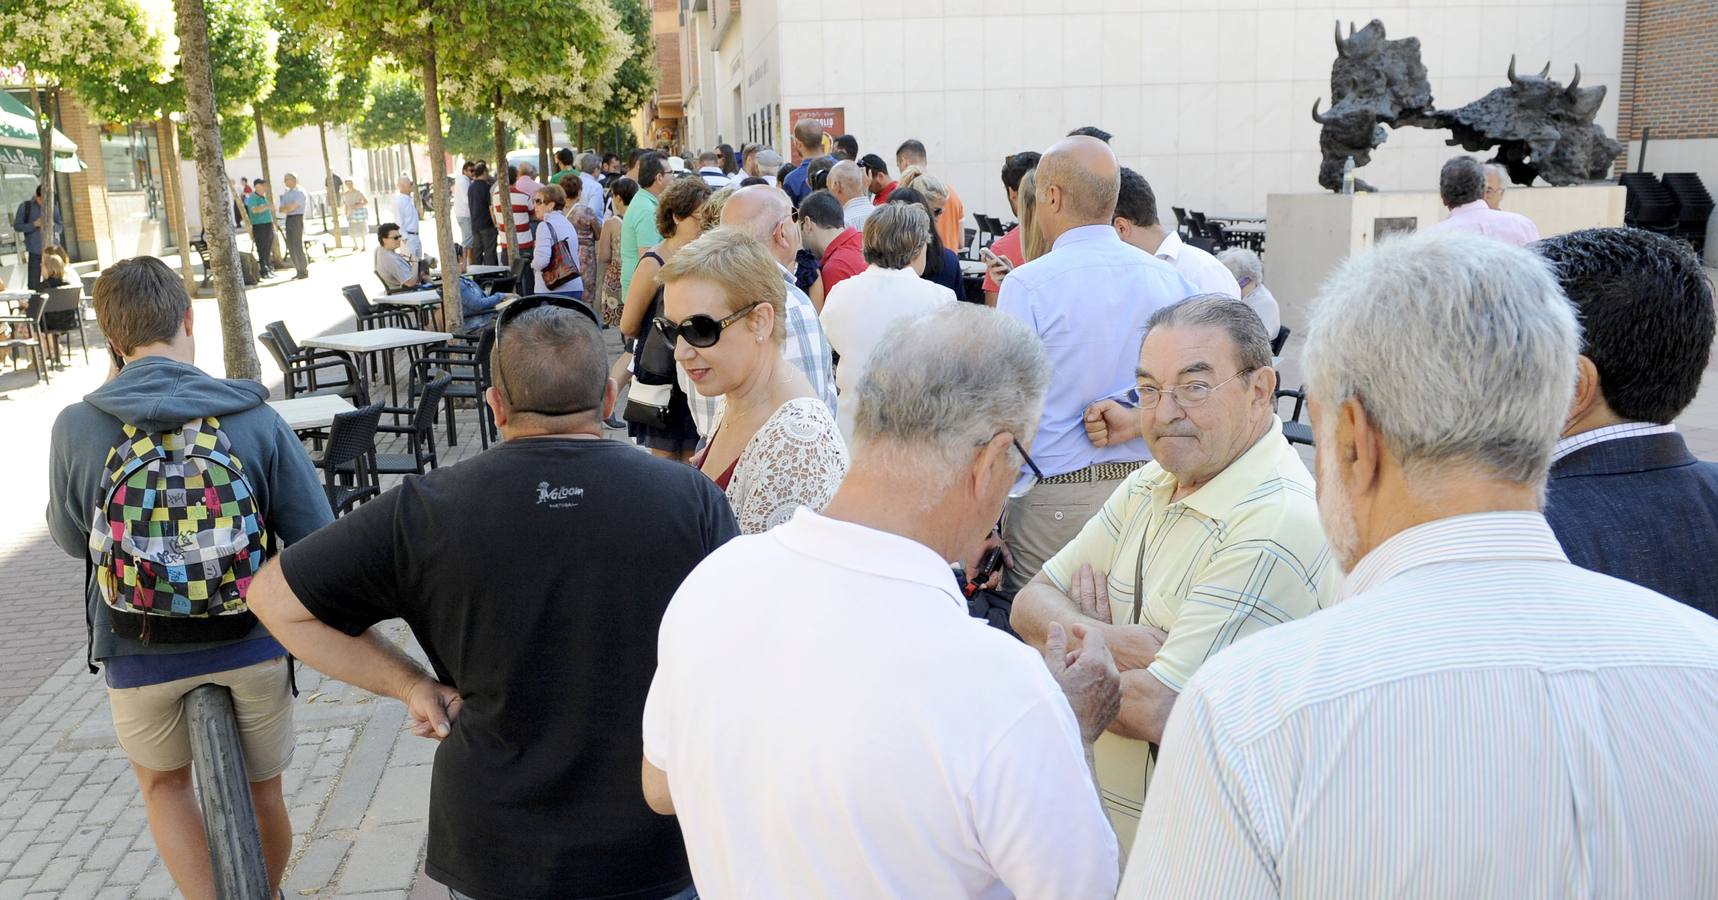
x=1479 y=719
x=1243 y=552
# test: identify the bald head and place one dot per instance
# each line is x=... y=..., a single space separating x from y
x=1078 y=181
x=764 y=213
x=846 y=181
x=808 y=133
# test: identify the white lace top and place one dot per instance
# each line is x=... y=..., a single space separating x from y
x=796 y=459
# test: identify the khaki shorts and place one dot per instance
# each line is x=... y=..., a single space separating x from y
x=154 y=732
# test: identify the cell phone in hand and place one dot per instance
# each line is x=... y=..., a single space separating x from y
x=118 y=361
x=987 y=567
x=987 y=255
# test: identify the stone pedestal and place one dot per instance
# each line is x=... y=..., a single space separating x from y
x=1309 y=234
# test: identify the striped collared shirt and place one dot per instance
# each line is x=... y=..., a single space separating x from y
x=1575 y=442
x=1242 y=553
x=1479 y=719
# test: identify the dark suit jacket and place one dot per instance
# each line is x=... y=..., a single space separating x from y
x=1642 y=509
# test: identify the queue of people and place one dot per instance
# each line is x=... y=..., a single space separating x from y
x=1471 y=652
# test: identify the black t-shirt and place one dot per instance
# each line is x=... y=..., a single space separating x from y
x=535 y=576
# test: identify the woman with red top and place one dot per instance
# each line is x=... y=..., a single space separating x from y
x=776 y=447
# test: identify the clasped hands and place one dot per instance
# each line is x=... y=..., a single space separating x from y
x=1089 y=669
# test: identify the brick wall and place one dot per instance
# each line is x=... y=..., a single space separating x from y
x=1669 y=72
x=88 y=195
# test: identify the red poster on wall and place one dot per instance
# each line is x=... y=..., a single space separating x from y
x=832 y=118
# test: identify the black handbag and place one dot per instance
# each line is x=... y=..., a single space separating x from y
x=654 y=361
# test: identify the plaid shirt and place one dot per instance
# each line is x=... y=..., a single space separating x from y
x=806 y=346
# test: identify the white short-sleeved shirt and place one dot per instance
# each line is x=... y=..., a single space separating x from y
x=1201 y=269
x=859 y=310
x=834 y=724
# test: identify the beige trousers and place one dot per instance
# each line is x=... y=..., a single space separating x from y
x=1037 y=526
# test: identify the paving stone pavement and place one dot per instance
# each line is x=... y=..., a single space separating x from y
x=72 y=823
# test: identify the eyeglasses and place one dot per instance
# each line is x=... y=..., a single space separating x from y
x=701 y=330
x=1186 y=395
x=513 y=310
x=1026 y=482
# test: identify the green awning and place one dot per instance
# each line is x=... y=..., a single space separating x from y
x=21 y=144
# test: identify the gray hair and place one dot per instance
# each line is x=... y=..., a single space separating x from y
x=769 y=160
x=1243 y=263
x=1460 y=347
x=527 y=168
x=895 y=233
x=1501 y=173
x=1461 y=181
x=1223 y=312
x=589 y=163
x=941 y=384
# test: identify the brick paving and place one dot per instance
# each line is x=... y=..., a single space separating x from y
x=72 y=824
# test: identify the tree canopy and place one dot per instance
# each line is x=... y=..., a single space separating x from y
x=394 y=114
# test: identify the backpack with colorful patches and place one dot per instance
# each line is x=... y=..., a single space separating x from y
x=177 y=536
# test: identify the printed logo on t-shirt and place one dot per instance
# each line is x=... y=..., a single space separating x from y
x=558 y=497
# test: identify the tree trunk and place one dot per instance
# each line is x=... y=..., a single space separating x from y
x=545 y=137
x=238 y=348
x=412 y=161
x=452 y=314
x=168 y=137
x=503 y=190
x=333 y=195
x=273 y=191
x=581 y=147
x=45 y=132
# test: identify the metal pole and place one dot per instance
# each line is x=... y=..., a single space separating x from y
x=229 y=821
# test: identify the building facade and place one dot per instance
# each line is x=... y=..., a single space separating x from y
x=1210 y=101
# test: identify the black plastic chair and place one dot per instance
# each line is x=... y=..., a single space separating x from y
x=352 y=444
x=420 y=433
x=1296 y=431
x=370 y=317
x=31 y=319
x=1279 y=342
x=301 y=367
x=68 y=300
x=468 y=371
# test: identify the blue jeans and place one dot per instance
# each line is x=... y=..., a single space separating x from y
x=690 y=893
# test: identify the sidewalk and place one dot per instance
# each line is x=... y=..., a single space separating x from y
x=72 y=823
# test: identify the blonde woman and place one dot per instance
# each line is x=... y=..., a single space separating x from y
x=777 y=447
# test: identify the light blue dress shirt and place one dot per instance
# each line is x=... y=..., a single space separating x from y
x=1088 y=299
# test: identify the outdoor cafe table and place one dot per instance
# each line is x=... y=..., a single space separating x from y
x=426 y=303
x=311 y=413
x=475 y=271
x=377 y=340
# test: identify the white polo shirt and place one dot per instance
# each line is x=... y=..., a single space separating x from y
x=1201 y=269
x=834 y=724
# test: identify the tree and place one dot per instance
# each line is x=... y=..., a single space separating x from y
x=558 y=60
x=635 y=80
x=471 y=136
x=394 y=115
x=195 y=30
x=316 y=84
x=57 y=41
x=147 y=85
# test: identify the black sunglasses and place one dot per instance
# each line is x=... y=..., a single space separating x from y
x=701 y=330
x=514 y=310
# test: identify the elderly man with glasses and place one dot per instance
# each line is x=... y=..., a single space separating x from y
x=1216 y=538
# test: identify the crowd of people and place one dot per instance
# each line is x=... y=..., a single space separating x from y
x=1471 y=652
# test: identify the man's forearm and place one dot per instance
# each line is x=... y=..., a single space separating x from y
x=1037 y=605
x=369 y=660
x=1145 y=705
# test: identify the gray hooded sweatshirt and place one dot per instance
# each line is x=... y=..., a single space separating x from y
x=159 y=394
